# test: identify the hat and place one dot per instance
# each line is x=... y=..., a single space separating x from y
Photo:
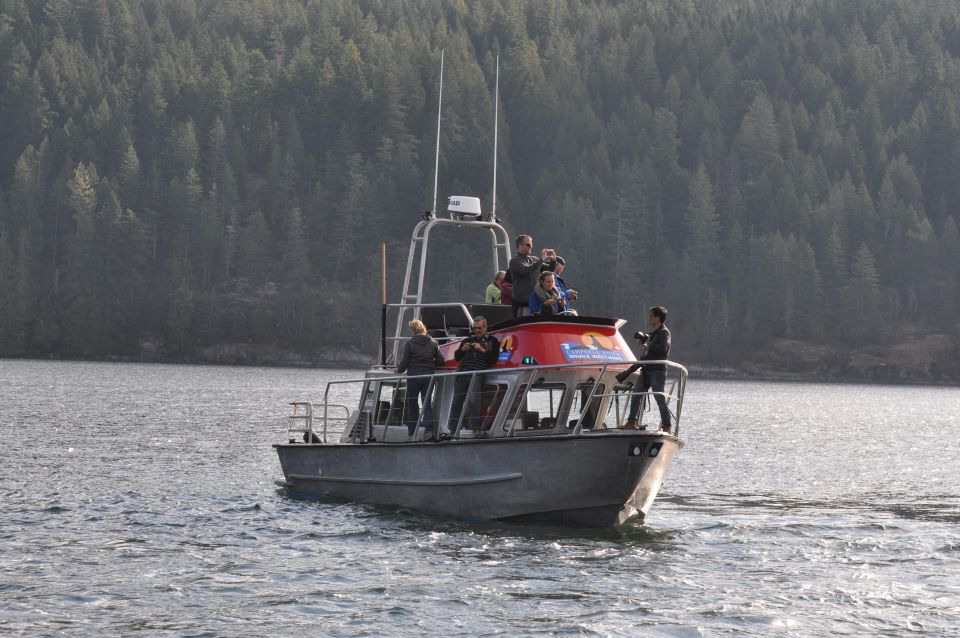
x=561 y=261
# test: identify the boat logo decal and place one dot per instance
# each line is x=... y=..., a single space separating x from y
x=592 y=346
x=654 y=449
x=507 y=346
x=636 y=449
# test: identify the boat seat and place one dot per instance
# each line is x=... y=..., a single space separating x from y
x=494 y=313
x=445 y=321
x=530 y=420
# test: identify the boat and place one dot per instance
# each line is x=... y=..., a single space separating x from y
x=548 y=444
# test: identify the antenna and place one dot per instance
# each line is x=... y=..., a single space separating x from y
x=496 y=112
x=436 y=163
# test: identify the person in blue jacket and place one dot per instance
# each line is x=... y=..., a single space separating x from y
x=569 y=293
x=546 y=298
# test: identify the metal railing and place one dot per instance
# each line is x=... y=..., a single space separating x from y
x=303 y=413
x=463 y=409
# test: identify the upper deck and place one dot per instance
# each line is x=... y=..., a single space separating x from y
x=553 y=340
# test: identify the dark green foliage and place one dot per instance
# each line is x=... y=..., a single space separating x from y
x=200 y=173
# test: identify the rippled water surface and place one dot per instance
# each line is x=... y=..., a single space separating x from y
x=144 y=499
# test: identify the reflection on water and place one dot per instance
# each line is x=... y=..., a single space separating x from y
x=145 y=499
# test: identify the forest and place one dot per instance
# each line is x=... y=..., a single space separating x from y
x=201 y=180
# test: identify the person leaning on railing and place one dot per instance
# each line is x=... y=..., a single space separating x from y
x=420 y=358
x=653 y=376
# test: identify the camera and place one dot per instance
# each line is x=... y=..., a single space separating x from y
x=548 y=264
x=642 y=337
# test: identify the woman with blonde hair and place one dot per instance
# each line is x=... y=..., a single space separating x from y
x=420 y=358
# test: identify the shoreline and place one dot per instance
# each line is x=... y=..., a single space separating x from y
x=348 y=359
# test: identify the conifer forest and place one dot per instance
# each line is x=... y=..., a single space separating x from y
x=181 y=178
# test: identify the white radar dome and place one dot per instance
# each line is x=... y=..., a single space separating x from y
x=461 y=207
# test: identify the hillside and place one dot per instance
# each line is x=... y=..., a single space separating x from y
x=181 y=177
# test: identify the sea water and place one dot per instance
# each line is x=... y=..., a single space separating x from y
x=144 y=499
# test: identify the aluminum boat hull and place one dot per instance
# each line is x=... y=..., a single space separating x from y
x=593 y=480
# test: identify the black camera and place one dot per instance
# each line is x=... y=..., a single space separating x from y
x=642 y=337
x=548 y=264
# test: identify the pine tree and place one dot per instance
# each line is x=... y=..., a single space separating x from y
x=758 y=140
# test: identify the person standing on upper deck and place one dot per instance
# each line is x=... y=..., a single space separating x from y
x=524 y=270
x=653 y=376
x=568 y=293
x=477 y=352
x=492 y=294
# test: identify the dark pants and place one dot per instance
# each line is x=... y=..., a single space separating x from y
x=652 y=380
x=520 y=309
x=416 y=392
x=471 y=418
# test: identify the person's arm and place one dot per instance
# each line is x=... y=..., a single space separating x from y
x=404 y=358
x=520 y=267
x=658 y=346
x=462 y=350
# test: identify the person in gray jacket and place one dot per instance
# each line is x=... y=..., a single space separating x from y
x=419 y=359
x=524 y=270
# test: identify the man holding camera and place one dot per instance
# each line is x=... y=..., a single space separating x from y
x=524 y=271
x=653 y=376
x=480 y=351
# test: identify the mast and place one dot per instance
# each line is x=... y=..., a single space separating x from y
x=496 y=112
x=436 y=162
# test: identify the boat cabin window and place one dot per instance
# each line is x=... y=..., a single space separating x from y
x=581 y=398
x=538 y=407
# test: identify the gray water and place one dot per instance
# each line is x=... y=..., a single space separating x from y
x=143 y=499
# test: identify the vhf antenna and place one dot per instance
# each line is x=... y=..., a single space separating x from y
x=436 y=164
x=496 y=112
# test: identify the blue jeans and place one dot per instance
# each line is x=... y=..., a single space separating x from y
x=417 y=392
x=651 y=380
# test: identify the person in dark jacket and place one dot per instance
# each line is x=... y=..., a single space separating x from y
x=477 y=352
x=419 y=359
x=524 y=269
x=653 y=376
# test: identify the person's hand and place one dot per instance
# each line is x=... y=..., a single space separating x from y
x=551 y=302
x=573 y=294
